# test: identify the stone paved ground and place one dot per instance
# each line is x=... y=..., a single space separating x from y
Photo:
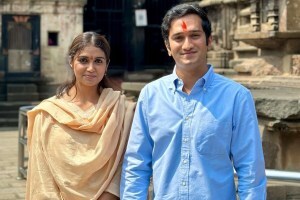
x=10 y=187
x=13 y=189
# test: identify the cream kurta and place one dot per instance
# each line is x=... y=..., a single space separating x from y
x=73 y=155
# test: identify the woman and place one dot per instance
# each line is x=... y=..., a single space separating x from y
x=76 y=139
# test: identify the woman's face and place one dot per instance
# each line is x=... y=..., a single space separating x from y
x=89 y=66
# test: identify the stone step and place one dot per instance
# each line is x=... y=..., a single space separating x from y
x=30 y=96
x=22 y=92
x=21 y=88
x=140 y=77
x=9 y=106
x=2 y=97
x=225 y=71
x=275 y=82
x=245 y=49
x=9 y=114
x=47 y=91
x=11 y=122
x=283 y=190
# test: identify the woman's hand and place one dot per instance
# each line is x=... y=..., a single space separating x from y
x=108 y=196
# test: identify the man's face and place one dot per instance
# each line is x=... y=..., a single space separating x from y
x=187 y=42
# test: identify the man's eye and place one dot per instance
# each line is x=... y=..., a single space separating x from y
x=179 y=38
x=195 y=36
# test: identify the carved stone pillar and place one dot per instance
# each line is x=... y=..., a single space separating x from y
x=280 y=142
x=278 y=114
x=272 y=16
x=296 y=65
x=255 y=15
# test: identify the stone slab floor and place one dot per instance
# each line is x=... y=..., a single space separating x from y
x=10 y=187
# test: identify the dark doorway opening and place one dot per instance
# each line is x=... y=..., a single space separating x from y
x=133 y=48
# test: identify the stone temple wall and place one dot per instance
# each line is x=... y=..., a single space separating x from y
x=261 y=39
x=62 y=17
x=246 y=30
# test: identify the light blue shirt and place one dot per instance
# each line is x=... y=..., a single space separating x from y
x=190 y=144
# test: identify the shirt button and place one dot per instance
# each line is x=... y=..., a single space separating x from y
x=187 y=118
x=184 y=161
x=185 y=140
x=183 y=183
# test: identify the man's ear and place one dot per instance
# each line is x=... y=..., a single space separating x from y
x=209 y=41
x=167 y=44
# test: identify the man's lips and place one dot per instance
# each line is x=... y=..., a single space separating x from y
x=188 y=53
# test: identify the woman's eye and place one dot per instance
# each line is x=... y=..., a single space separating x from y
x=98 y=61
x=83 y=60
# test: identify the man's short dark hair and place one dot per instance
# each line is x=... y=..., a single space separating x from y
x=180 y=11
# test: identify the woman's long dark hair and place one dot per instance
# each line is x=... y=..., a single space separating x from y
x=79 y=43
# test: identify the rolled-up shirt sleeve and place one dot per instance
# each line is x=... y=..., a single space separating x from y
x=246 y=149
x=137 y=170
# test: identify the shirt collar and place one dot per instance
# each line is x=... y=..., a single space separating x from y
x=203 y=82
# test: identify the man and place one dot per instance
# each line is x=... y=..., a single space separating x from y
x=192 y=128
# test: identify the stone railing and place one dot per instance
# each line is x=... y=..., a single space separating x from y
x=22 y=142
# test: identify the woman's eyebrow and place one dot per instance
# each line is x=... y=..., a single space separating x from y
x=100 y=57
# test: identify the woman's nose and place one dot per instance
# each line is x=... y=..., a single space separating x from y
x=91 y=67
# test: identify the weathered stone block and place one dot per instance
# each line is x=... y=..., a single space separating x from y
x=276 y=192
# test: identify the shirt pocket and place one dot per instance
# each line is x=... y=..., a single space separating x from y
x=212 y=137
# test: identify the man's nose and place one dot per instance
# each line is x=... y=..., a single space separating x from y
x=187 y=43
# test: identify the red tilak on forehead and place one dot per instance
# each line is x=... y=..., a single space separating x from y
x=184 y=26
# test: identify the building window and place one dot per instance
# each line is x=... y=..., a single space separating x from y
x=52 y=38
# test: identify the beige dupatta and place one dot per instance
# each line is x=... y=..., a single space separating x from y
x=72 y=156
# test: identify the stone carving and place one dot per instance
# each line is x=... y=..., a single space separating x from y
x=217 y=35
x=272 y=15
x=256 y=67
x=296 y=65
x=255 y=15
